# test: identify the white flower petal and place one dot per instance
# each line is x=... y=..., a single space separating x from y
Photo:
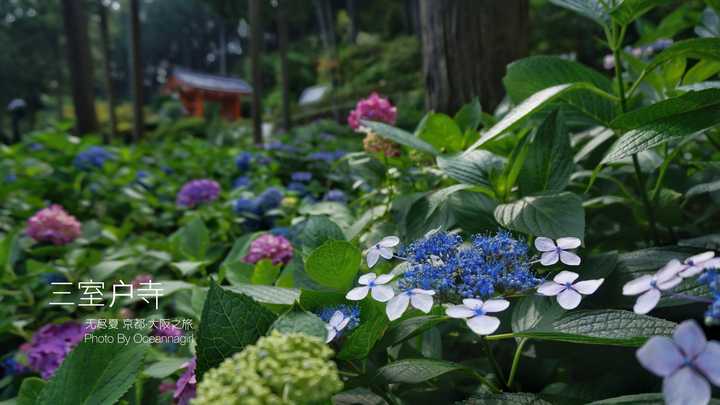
x=690 y=338
x=336 y=319
x=330 y=334
x=544 y=244
x=397 y=306
x=366 y=278
x=660 y=356
x=568 y=243
x=638 y=286
x=646 y=302
x=691 y=271
x=343 y=324
x=422 y=302
x=672 y=283
x=550 y=288
x=389 y=241
x=459 y=311
x=495 y=305
x=473 y=303
x=569 y=258
x=588 y=287
x=699 y=258
x=685 y=387
x=549 y=258
x=569 y=299
x=670 y=270
x=708 y=362
x=357 y=293
x=386 y=253
x=423 y=292
x=384 y=278
x=483 y=325
x=382 y=293
x=372 y=257
x=565 y=277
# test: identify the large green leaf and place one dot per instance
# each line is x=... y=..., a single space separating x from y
x=267 y=294
x=409 y=328
x=441 y=131
x=549 y=161
x=358 y=396
x=230 y=321
x=538 y=101
x=30 y=390
x=656 y=124
x=554 y=216
x=630 y=10
x=696 y=48
x=415 y=371
x=505 y=398
x=334 y=264
x=98 y=371
x=194 y=239
x=592 y=9
x=373 y=323
x=317 y=231
x=477 y=167
x=400 y=136
x=296 y=320
x=469 y=117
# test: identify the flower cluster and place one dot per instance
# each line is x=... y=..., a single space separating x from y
x=268 y=246
x=373 y=108
x=243 y=161
x=242 y=182
x=196 y=192
x=50 y=344
x=711 y=278
x=288 y=369
x=335 y=196
x=340 y=319
x=54 y=225
x=185 y=386
x=299 y=182
x=256 y=209
x=93 y=157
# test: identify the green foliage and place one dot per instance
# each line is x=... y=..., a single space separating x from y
x=334 y=264
x=554 y=215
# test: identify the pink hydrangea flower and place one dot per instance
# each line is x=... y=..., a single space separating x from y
x=53 y=224
x=373 y=108
x=276 y=248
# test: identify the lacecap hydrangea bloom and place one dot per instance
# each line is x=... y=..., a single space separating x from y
x=349 y=312
x=93 y=157
x=54 y=225
x=279 y=369
x=268 y=246
x=50 y=344
x=196 y=192
x=373 y=108
x=711 y=278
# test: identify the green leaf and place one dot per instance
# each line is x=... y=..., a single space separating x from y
x=358 y=396
x=505 y=398
x=234 y=260
x=592 y=9
x=553 y=216
x=630 y=10
x=298 y=321
x=703 y=188
x=477 y=167
x=317 y=231
x=96 y=372
x=535 y=312
x=696 y=48
x=230 y=321
x=517 y=116
x=470 y=116
x=415 y=371
x=107 y=268
x=267 y=294
x=656 y=124
x=164 y=368
x=30 y=390
x=265 y=273
x=361 y=341
x=399 y=136
x=410 y=328
x=334 y=264
x=602 y=327
x=441 y=131
x=187 y=268
x=549 y=162
x=9 y=254
x=194 y=239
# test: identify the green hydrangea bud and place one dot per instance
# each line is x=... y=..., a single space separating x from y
x=279 y=369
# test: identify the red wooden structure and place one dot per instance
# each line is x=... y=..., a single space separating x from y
x=196 y=88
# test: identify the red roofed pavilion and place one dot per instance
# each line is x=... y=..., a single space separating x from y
x=195 y=88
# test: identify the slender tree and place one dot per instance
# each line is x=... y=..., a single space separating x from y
x=80 y=63
x=105 y=45
x=256 y=38
x=136 y=69
x=284 y=72
x=466 y=47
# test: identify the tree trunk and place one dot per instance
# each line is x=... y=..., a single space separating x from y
x=223 y=47
x=284 y=73
x=105 y=44
x=81 y=70
x=256 y=38
x=466 y=47
x=136 y=70
x=351 y=6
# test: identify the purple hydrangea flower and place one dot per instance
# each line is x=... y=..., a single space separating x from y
x=686 y=363
x=196 y=192
x=54 y=225
x=50 y=344
x=186 y=385
x=167 y=330
x=335 y=195
x=267 y=246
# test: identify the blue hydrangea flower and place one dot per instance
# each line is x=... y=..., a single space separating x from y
x=327 y=156
x=711 y=278
x=243 y=160
x=246 y=205
x=350 y=317
x=297 y=187
x=93 y=157
x=270 y=199
x=242 y=181
x=11 y=366
x=335 y=195
x=302 y=177
x=10 y=178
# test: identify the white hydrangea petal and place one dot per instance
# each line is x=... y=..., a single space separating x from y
x=544 y=244
x=568 y=243
x=473 y=303
x=708 y=362
x=691 y=271
x=565 y=277
x=389 y=241
x=336 y=319
x=343 y=324
x=647 y=301
x=357 y=293
x=421 y=291
x=384 y=278
x=669 y=284
x=397 y=306
x=670 y=270
x=386 y=253
x=569 y=258
x=588 y=287
x=495 y=305
x=422 y=302
x=638 y=286
x=330 y=334
x=550 y=288
x=459 y=311
x=549 y=258
x=690 y=338
x=660 y=356
x=483 y=325
x=366 y=278
x=699 y=258
x=382 y=293
x=685 y=387
x=372 y=257
x=569 y=299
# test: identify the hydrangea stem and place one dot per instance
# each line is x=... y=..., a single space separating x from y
x=516 y=362
x=496 y=366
